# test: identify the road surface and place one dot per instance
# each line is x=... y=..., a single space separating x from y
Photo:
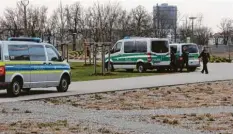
x=220 y=71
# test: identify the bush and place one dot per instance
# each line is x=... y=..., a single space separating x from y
x=215 y=59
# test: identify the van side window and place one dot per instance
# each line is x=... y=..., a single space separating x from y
x=117 y=47
x=37 y=53
x=52 y=53
x=141 y=46
x=159 y=46
x=18 y=52
x=129 y=47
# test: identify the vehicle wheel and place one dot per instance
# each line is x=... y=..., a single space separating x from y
x=14 y=89
x=141 y=68
x=64 y=84
x=111 y=66
x=192 y=69
x=129 y=70
x=27 y=90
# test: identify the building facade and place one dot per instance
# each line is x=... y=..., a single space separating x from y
x=165 y=18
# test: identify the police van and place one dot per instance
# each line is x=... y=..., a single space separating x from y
x=139 y=53
x=193 y=51
x=26 y=65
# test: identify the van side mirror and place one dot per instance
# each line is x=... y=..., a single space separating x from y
x=111 y=51
x=61 y=58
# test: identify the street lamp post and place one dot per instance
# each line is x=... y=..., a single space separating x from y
x=25 y=3
x=192 y=18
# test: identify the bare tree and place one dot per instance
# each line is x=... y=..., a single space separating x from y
x=73 y=17
x=141 y=21
x=226 y=26
x=202 y=35
x=123 y=24
x=184 y=29
x=12 y=22
x=52 y=26
x=59 y=13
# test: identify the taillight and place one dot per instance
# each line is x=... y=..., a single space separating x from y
x=149 y=59
x=2 y=70
x=181 y=58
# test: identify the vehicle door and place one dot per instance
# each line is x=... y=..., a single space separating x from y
x=193 y=54
x=160 y=51
x=18 y=62
x=55 y=66
x=135 y=51
x=116 y=55
x=38 y=66
x=129 y=58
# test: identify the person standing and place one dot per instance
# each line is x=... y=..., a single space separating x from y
x=173 y=60
x=185 y=57
x=205 y=59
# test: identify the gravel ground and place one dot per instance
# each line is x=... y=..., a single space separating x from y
x=185 y=96
x=143 y=111
x=38 y=112
x=220 y=123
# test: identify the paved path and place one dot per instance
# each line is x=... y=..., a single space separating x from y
x=223 y=71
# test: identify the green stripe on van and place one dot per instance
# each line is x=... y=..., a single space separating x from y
x=35 y=72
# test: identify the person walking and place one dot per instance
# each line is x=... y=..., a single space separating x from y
x=185 y=57
x=173 y=60
x=205 y=59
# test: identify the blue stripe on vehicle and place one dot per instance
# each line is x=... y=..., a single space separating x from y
x=36 y=67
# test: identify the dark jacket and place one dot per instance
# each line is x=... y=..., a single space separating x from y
x=205 y=56
x=185 y=55
x=173 y=56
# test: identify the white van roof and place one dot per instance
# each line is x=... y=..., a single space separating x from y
x=22 y=43
x=144 y=38
x=181 y=44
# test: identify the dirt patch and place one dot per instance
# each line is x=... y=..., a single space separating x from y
x=185 y=96
x=217 y=123
x=59 y=127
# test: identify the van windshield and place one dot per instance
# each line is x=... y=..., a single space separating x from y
x=191 y=48
x=159 y=47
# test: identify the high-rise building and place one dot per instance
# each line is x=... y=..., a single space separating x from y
x=165 y=17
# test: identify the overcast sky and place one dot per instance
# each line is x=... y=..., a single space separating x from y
x=213 y=10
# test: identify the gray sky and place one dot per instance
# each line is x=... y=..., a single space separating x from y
x=213 y=10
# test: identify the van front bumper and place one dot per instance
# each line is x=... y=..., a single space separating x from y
x=4 y=85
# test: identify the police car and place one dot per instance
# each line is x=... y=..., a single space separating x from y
x=29 y=64
x=193 y=51
x=139 y=53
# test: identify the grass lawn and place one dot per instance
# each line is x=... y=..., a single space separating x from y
x=84 y=73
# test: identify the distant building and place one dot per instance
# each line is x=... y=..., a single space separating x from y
x=165 y=18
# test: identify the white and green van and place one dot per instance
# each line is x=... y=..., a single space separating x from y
x=140 y=54
x=193 y=51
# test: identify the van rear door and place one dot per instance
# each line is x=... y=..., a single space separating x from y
x=160 y=51
x=193 y=54
x=193 y=51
